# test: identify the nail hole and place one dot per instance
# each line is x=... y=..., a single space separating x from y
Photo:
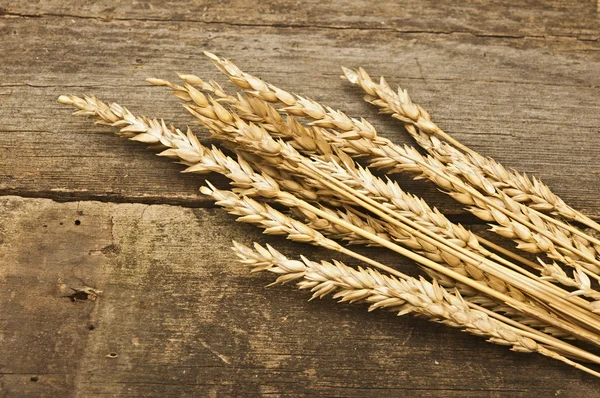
x=79 y=295
x=61 y=223
x=34 y=378
x=112 y=355
x=91 y=327
x=77 y=222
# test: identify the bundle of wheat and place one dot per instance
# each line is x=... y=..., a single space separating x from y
x=302 y=156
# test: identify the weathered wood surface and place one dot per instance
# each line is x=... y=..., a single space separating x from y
x=184 y=318
x=564 y=19
x=519 y=83
x=519 y=100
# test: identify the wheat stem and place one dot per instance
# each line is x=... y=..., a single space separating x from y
x=403 y=295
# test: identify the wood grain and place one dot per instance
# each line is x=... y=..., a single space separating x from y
x=183 y=321
x=516 y=82
x=555 y=19
x=517 y=102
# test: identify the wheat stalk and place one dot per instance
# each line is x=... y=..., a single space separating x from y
x=403 y=296
x=361 y=136
x=186 y=148
x=260 y=111
x=330 y=198
x=267 y=188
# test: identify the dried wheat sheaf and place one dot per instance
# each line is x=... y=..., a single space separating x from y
x=295 y=171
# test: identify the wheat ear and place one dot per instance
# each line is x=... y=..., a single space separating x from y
x=519 y=186
x=268 y=188
x=403 y=296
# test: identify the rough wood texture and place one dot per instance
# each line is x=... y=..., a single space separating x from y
x=531 y=95
x=182 y=320
x=516 y=82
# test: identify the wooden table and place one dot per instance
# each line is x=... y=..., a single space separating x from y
x=83 y=211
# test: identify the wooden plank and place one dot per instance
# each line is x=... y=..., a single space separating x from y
x=182 y=318
x=570 y=19
x=43 y=333
x=529 y=103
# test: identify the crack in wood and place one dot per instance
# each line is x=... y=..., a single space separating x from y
x=7 y=13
